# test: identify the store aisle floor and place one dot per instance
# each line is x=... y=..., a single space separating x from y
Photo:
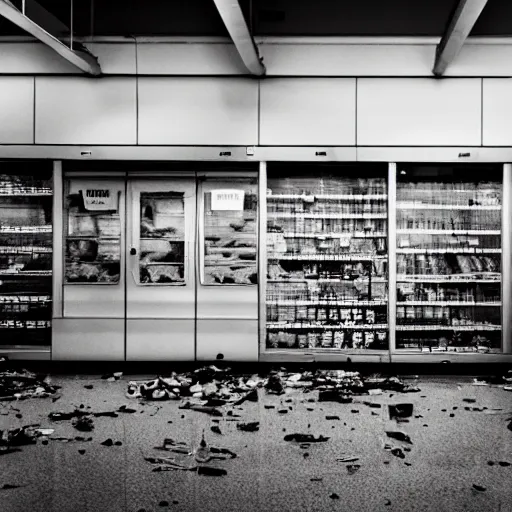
x=458 y=460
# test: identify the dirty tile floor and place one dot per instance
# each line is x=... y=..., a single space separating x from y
x=452 y=450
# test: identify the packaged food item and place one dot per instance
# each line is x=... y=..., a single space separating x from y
x=327 y=339
x=357 y=339
x=313 y=339
x=339 y=339
x=272 y=340
x=369 y=338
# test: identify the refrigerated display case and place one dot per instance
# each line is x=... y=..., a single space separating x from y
x=26 y=198
x=326 y=282
x=448 y=250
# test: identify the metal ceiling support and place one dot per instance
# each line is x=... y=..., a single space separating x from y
x=233 y=18
x=81 y=59
x=463 y=20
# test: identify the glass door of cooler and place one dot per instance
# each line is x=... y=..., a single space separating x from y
x=26 y=196
x=160 y=292
x=227 y=292
x=327 y=275
x=448 y=258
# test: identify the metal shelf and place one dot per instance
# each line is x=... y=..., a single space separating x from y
x=284 y=325
x=23 y=250
x=32 y=299
x=448 y=251
x=303 y=215
x=21 y=193
x=446 y=303
x=448 y=327
x=448 y=232
x=324 y=302
x=358 y=234
x=324 y=257
x=417 y=206
x=461 y=278
x=25 y=229
x=30 y=273
x=341 y=197
x=327 y=280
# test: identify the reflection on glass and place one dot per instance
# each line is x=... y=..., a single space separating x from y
x=93 y=244
x=327 y=259
x=162 y=238
x=230 y=244
x=448 y=259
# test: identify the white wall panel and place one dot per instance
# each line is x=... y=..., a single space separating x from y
x=421 y=112
x=348 y=59
x=198 y=111
x=160 y=340
x=88 y=339
x=497 y=112
x=236 y=340
x=16 y=110
x=482 y=60
x=189 y=59
x=308 y=111
x=76 y=110
x=37 y=58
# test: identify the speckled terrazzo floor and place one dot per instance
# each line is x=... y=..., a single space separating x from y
x=448 y=454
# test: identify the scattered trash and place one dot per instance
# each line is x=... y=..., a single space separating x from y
x=251 y=396
x=334 y=496
x=107 y=442
x=20 y=385
x=163 y=503
x=316 y=479
x=397 y=452
x=212 y=411
x=334 y=396
x=88 y=386
x=272 y=407
x=373 y=405
x=332 y=417
x=387 y=503
x=469 y=400
x=490 y=463
x=283 y=411
x=504 y=464
x=126 y=410
x=400 y=410
x=375 y=391
x=353 y=468
x=215 y=429
x=274 y=384
x=83 y=423
x=399 y=436
x=354 y=411
x=305 y=438
x=81 y=452
x=211 y=471
x=118 y=443
x=202 y=453
x=479 y=488
x=348 y=459
x=253 y=426
x=111 y=377
x=6 y=487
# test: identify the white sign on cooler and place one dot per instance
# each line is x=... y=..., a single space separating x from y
x=227 y=199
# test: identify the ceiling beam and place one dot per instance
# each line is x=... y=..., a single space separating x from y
x=81 y=59
x=461 y=23
x=233 y=18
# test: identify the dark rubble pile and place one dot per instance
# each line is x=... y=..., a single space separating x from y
x=20 y=385
x=220 y=386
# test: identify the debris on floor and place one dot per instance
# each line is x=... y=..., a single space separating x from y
x=83 y=423
x=400 y=411
x=306 y=438
x=20 y=385
x=399 y=436
x=252 y=426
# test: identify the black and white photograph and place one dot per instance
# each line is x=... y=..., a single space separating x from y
x=255 y=255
